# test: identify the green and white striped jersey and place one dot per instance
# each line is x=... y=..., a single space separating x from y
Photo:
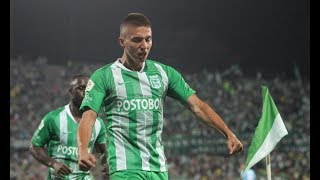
x=133 y=104
x=58 y=131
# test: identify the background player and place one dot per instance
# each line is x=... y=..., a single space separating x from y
x=58 y=131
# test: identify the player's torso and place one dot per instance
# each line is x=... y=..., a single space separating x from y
x=135 y=99
x=63 y=145
x=134 y=111
x=131 y=91
x=63 y=141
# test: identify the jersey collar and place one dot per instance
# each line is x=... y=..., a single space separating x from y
x=67 y=108
x=119 y=64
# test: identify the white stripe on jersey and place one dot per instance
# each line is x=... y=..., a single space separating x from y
x=67 y=109
x=142 y=126
x=95 y=133
x=63 y=127
x=97 y=127
x=119 y=144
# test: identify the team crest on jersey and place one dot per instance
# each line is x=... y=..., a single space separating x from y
x=89 y=85
x=155 y=81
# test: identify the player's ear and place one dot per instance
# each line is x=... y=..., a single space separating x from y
x=121 y=41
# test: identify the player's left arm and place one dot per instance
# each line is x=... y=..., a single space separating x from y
x=204 y=112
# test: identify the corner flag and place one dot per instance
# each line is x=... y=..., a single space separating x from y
x=268 y=133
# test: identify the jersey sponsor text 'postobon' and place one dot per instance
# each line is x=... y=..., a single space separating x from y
x=138 y=104
x=67 y=150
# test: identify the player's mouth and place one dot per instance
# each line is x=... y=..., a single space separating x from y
x=142 y=54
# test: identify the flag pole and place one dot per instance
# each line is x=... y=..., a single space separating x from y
x=268 y=167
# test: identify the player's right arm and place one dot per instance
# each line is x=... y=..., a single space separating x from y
x=90 y=106
x=41 y=155
x=86 y=160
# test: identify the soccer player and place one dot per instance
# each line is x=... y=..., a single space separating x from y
x=132 y=91
x=58 y=131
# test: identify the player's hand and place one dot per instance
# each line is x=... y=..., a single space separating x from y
x=61 y=169
x=234 y=145
x=86 y=161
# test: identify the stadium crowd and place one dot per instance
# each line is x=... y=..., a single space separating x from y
x=193 y=150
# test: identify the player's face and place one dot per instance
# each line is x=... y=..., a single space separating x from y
x=137 y=42
x=78 y=89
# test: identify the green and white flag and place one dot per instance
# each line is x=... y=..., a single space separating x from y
x=268 y=133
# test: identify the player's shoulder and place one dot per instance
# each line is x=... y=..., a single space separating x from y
x=104 y=71
x=53 y=114
x=103 y=68
x=155 y=63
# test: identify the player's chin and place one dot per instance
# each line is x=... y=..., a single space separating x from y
x=142 y=58
x=77 y=101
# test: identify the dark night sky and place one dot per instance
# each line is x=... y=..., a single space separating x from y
x=269 y=36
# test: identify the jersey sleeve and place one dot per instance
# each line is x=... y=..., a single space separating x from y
x=102 y=136
x=42 y=135
x=178 y=88
x=95 y=92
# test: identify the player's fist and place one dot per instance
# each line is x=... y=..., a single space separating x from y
x=61 y=169
x=86 y=161
x=234 y=145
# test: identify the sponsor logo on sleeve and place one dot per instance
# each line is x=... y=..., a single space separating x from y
x=89 y=85
x=41 y=125
x=186 y=85
x=87 y=97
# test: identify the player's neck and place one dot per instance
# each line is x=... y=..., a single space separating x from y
x=75 y=112
x=130 y=64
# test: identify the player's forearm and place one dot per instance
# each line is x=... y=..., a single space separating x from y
x=212 y=119
x=85 y=129
x=41 y=155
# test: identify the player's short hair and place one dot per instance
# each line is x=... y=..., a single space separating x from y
x=75 y=77
x=135 y=19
